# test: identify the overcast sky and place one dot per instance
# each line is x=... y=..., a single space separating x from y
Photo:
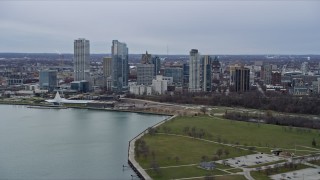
x=212 y=27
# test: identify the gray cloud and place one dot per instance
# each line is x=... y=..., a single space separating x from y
x=214 y=27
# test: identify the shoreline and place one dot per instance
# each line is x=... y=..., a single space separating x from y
x=135 y=166
x=90 y=108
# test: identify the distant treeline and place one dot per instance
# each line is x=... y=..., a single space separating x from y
x=283 y=120
x=281 y=103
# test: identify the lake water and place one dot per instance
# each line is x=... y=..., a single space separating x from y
x=67 y=143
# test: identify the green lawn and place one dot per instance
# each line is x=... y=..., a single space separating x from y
x=244 y=133
x=189 y=151
x=235 y=170
x=169 y=150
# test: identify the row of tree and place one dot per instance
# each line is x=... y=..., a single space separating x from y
x=294 y=121
x=276 y=102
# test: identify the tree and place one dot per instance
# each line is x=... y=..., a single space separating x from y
x=226 y=152
x=153 y=154
x=204 y=158
x=219 y=152
x=177 y=159
x=314 y=143
x=155 y=167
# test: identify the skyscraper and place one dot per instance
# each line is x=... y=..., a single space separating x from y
x=216 y=69
x=145 y=70
x=145 y=74
x=206 y=74
x=120 y=67
x=157 y=65
x=81 y=60
x=107 y=72
x=242 y=79
x=194 y=71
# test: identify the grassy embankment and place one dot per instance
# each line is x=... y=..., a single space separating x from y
x=168 y=150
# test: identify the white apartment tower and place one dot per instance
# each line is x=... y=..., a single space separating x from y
x=194 y=71
x=81 y=60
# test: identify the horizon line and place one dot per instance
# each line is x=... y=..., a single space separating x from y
x=225 y=54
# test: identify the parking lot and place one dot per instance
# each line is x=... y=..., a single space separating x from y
x=309 y=173
x=250 y=160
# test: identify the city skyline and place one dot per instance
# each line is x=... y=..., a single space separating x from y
x=162 y=27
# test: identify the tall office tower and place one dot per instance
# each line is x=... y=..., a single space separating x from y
x=206 y=73
x=185 y=75
x=107 y=72
x=81 y=60
x=145 y=70
x=266 y=71
x=305 y=68
x=232 y=69
x=157 y=65
x=242 y=79
x=107 y=66
x=276 y=78
x=145 y=74
x=216 y=70
x=48 y=80
x=194 y=71
x=120 y=66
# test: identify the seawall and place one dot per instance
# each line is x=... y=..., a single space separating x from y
x=141 y=173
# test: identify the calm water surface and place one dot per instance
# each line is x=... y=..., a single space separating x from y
x=67 y=143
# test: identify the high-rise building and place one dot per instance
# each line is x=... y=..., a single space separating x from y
x=146 y=58
x=157 y=65
x=107 y=66
x=276 y=78
x=81 y=60
x=206 y=73
x=216 y=69
x=266 y=73
x=186 y=75
x=194 y=71
x=305 y=68
x=145 y=70
x=242 y=79
x=232 y=70
x=145 y=74
x=176 y=73
x=107 y=72
x=120 y=66
x=48 y=80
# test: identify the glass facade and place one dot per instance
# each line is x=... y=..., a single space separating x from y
x=175 y=73
x=48 y=80
x=120 y=66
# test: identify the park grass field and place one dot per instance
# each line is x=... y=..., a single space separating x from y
x=173 y=146
x=246 y=133
x=188 y=150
